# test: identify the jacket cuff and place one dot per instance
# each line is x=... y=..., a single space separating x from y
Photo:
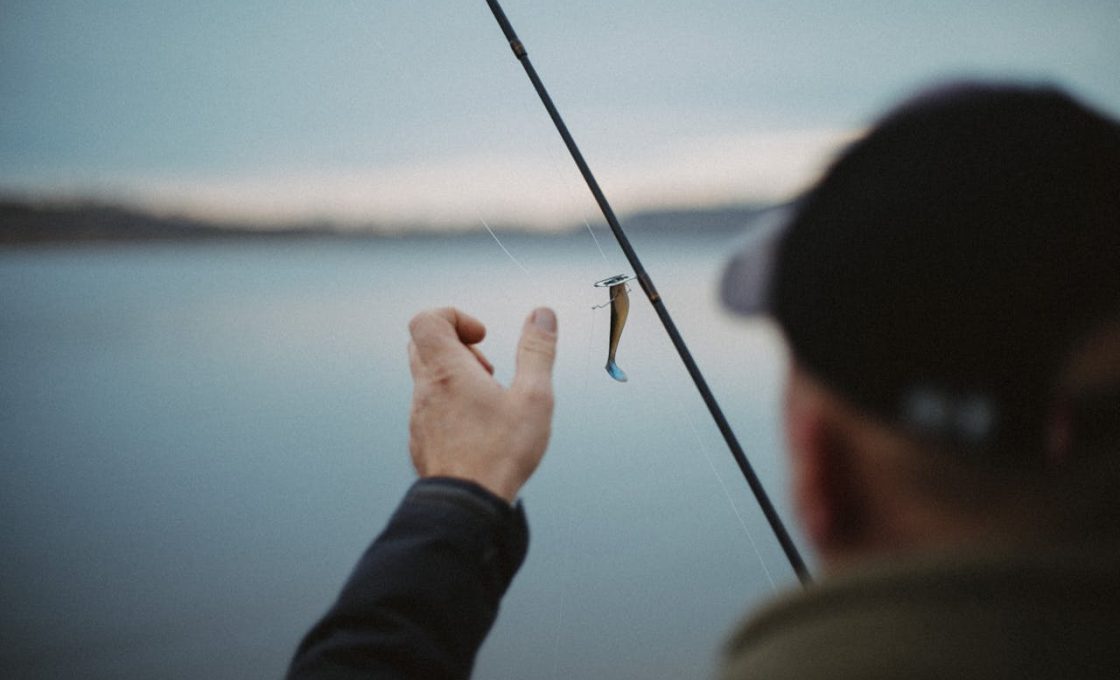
x=504 y=529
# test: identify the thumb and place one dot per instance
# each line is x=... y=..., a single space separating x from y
x=536 y=353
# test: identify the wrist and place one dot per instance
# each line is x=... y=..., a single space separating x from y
x=500 y=484
x=485 y=497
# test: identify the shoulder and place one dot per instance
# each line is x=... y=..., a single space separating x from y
x=984 y=615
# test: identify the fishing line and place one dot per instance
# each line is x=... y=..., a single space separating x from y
x=683 y=413
x=587 y=350
x=731 y=502
x=751 y=477
x=596 y=240
x=504 y=249
x=563 y=180
x=555 y=165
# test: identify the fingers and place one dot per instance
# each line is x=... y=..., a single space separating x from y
x=536 y=353
x=439 y=336
x=414 y=359
x=442 y=330
x=482 y=359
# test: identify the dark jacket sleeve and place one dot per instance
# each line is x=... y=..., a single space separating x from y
x=424 y=595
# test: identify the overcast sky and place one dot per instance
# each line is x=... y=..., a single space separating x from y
x=413 y=111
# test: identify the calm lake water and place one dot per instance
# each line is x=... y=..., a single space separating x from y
x=199 y=440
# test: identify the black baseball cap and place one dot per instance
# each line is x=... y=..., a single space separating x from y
x=939 y=273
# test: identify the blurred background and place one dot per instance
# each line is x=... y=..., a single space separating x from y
x=216 y=219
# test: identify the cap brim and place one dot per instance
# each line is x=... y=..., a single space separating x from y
x=748 y=276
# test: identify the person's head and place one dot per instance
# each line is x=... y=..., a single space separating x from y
x=950 y=294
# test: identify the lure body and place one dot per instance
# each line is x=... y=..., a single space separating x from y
x=620 y=309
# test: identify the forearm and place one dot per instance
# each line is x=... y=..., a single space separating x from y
x=424 y=595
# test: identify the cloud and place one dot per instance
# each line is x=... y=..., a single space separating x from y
x=729 y=168
x=539 y=190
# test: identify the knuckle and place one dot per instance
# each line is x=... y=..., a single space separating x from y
x=420 y=320
x=540 y=346
x=438 y=315
x=538 y=397
x=439 y=374
x=541 y=342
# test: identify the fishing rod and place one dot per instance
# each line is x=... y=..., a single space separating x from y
x=654 y=297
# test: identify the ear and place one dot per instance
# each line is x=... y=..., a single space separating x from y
x=826 y=495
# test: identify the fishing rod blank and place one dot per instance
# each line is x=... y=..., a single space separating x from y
x=646 y=283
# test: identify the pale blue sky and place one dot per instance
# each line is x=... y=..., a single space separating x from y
x=416 y=111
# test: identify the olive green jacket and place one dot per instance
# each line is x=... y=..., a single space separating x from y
x=988 y=615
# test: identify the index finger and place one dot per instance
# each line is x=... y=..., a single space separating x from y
x=435 y=331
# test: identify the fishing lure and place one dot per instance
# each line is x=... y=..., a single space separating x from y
x=620 y=309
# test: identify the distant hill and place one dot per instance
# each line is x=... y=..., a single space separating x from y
x=721 y=220
x=28 y=222
x=25 y=222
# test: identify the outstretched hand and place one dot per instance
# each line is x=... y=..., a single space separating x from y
x=465 y=424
